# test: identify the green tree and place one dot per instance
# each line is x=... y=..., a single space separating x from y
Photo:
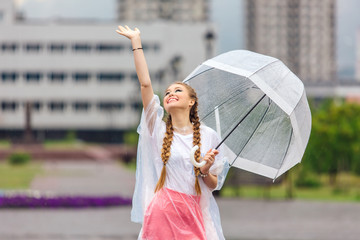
x=334 y=142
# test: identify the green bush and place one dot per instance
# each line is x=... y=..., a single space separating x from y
x=306 y=179
x=19 y=158
x=131 y=137
x=338 y=190
x=70 y=136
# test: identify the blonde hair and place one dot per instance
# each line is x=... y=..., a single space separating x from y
x=165 y=151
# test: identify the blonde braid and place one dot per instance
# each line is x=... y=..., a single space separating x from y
x=194 y=118
x=165 y=152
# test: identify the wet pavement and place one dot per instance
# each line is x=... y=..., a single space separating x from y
x=241 y=219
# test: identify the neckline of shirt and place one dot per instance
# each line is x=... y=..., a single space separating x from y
x=186 y=135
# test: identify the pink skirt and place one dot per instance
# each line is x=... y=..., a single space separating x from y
x=173 y=215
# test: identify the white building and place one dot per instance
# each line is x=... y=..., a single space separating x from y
x=357 y=68
x=80 y=75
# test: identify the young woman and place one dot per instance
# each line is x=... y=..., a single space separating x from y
x=173 y=199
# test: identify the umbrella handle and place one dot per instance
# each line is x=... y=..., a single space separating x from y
x=192 y=158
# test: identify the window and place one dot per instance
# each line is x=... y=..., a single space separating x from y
x=33 y=47
x=81 y=106
x=9 y=76
x=109 y=47
x=57 y=77
x=136 y=106
x=145 y=46
x=159 y=75
x=36 y=106
x=81 y=47
x=56 y=106
x=9 y=47
x=156 y=47
x=33 y=76
x=81 y=77
x=110 y=106
x=134 y=77
x=9 y=106
x=57 y=47
x=110 y=77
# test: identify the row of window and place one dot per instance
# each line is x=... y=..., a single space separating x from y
x=60 y=106
x=10 y=76
x=76 y=47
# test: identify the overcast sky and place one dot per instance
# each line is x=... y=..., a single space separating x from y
x=226 y=14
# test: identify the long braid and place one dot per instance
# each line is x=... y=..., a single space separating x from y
x=165 y=152
x=194 y=118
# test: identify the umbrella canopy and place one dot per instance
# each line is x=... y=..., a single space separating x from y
x=258 y=107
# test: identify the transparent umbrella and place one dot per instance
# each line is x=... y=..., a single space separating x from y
x=257 y=106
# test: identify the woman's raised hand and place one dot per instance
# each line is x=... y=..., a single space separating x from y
x=127 y=32
x=141 y=67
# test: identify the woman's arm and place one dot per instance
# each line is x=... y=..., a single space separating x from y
x=141 y=67
x=210 y=180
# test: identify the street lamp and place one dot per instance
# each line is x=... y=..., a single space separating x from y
x=175 y=64
x=209 y=43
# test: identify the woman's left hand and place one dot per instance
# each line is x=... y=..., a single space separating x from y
x=209 y=158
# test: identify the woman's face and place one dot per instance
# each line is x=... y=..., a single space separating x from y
x=177 y=97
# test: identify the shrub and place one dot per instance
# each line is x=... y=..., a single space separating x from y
x=307 y=180
x=131 y=137
x=70 y=136
x=19 y=158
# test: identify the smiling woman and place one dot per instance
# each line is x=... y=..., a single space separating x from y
x=172 y=198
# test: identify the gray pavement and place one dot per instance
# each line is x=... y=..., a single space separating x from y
x=241 y=219
x=85 y=177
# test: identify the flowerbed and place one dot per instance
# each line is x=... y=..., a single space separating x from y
x=23 y=201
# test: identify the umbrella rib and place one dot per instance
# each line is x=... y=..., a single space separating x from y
x=287 y=149
x=198 y=74
x=267 y=109
x=242 y=119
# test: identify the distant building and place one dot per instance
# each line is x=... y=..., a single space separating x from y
x=152 y=10
x=357 y=74
x=300 y=33
x=80 y=76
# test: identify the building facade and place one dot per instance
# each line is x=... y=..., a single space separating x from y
x=153 y=10
x=301 y=33
x=80 y=76
x=357 y=67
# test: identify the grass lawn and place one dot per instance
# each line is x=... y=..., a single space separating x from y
x=130 y=166
x=4 y=144
x=19 y=176
x=63 y=144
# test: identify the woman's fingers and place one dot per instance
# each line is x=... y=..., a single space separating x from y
x=122 y=28
x=210 y=156
x=121 y=33
x=128 y=32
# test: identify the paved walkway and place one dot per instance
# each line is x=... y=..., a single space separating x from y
x=242 y=219
x=85 y=177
